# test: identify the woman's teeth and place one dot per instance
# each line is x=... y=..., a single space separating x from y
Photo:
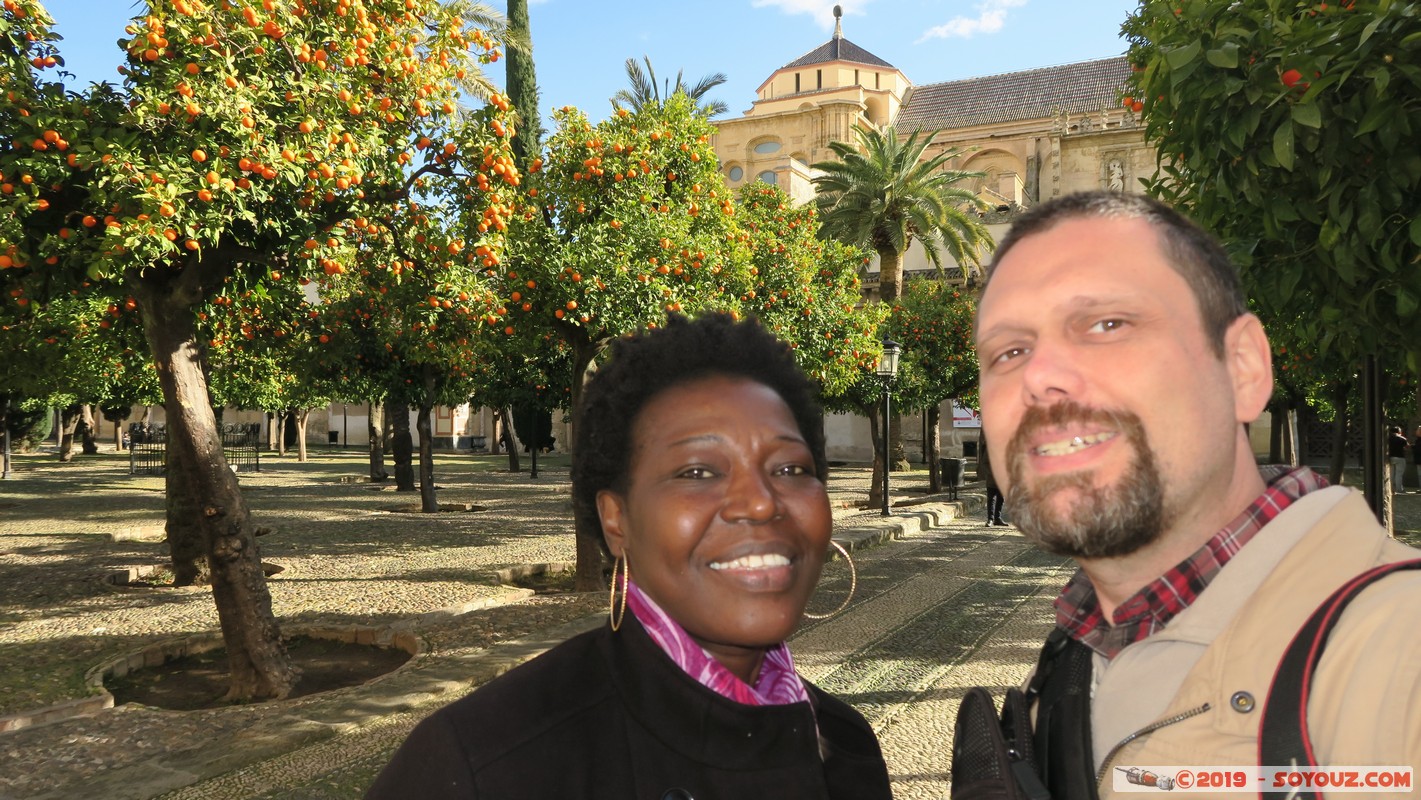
x=752 y=562
x=1074 y=445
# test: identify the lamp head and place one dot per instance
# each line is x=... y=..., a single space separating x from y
x=888 y=364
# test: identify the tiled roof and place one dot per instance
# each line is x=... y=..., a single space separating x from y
x=1032 y=94
x=838 y=49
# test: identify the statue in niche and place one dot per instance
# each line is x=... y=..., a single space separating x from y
x=1116 y=171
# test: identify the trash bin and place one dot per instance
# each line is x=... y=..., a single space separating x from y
x=954 y=473
x=334 y=436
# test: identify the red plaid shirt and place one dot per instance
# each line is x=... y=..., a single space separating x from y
x=1151 y=608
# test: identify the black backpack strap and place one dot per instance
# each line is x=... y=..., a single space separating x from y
x=1283 y=738
x=1060 y=690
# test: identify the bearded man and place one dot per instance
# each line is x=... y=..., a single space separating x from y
x=1120 y=366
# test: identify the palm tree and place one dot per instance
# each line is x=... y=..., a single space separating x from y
x=475 y=83
x=882 y=194
x=644 y=90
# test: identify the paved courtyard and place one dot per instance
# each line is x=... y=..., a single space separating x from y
x=945 y=605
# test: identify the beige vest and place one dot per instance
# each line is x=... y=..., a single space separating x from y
x=1365 y=704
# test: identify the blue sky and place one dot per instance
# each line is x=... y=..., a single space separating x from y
x=580 y=46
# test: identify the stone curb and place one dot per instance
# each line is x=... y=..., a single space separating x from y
x=439 y=680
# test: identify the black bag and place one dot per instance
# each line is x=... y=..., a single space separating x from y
x=991 y=756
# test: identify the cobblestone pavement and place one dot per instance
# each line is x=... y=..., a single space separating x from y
x=950 y=604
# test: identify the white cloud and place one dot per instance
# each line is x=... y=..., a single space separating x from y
x=821 y=11
x=991 y=17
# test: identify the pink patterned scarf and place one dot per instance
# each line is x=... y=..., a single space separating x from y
x=778 y=684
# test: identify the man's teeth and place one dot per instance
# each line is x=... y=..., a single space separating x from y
x=1068 y=446
x=752 y=562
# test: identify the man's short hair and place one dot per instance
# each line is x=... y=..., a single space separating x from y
x=1190 y=250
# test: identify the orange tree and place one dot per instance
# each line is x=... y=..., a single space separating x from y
x=243 y=132
x=411 y=320
x=1289 y=129
x=633 y=222
x=933 y=322
x=259 y=351
x=806 y=289
x=83 y=347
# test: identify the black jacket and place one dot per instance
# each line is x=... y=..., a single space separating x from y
x=609 y=715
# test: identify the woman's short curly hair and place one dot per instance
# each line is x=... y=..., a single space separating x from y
x=642 y=366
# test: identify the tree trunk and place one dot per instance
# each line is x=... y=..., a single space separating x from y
x=509 y=439
x=289 y=434
x=1275 y=432
x=1339 y=434
x=186 y=537
x=260 y=665
x=589 y=552
x=1292 y=449
x=1413 y=431
x=68 y=424
x=375 y=425
x=5 y=465
x=890 y=276
x=890 y=290
x=403 y=448
x=300 y=415
x=282 y=420
x=875 y=434
x=87 y=429
x=934 y=447
x=895 y=437
x=427 y=502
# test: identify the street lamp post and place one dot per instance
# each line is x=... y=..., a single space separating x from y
x=887 y=370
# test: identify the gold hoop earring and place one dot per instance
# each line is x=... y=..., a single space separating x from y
x=617 y=613
x=853 y=584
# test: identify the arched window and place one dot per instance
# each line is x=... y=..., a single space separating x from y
x=768 y=176
x=766 y=148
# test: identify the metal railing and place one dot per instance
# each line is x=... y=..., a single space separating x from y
x=148 y=448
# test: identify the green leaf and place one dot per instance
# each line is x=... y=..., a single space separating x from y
x=1369 y=30
x=1181 y=57
x=1327 y=237
x=1374 y=119
x=1283 y=145
x=1406 y=303
x=1381 y=77
x=1416 y=231
x=1289 y=284
x=1225 y=57
x=1307 y=114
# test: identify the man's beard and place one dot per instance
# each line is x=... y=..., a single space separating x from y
x=1103 y=521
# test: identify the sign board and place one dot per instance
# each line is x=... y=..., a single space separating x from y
x=965 y=417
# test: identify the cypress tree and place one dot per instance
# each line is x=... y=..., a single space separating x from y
x=523 y=85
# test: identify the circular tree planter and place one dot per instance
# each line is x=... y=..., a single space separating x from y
x=160 y=576
x=557 y=577
x=191 y=673
x=444 y=508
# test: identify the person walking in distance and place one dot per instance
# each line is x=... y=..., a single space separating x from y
x=995 y=498
x=1120 y=367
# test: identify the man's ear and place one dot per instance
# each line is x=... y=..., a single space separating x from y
x=1249 y=360
x=612 y=509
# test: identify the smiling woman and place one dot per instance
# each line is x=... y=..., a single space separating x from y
x=700 y=465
